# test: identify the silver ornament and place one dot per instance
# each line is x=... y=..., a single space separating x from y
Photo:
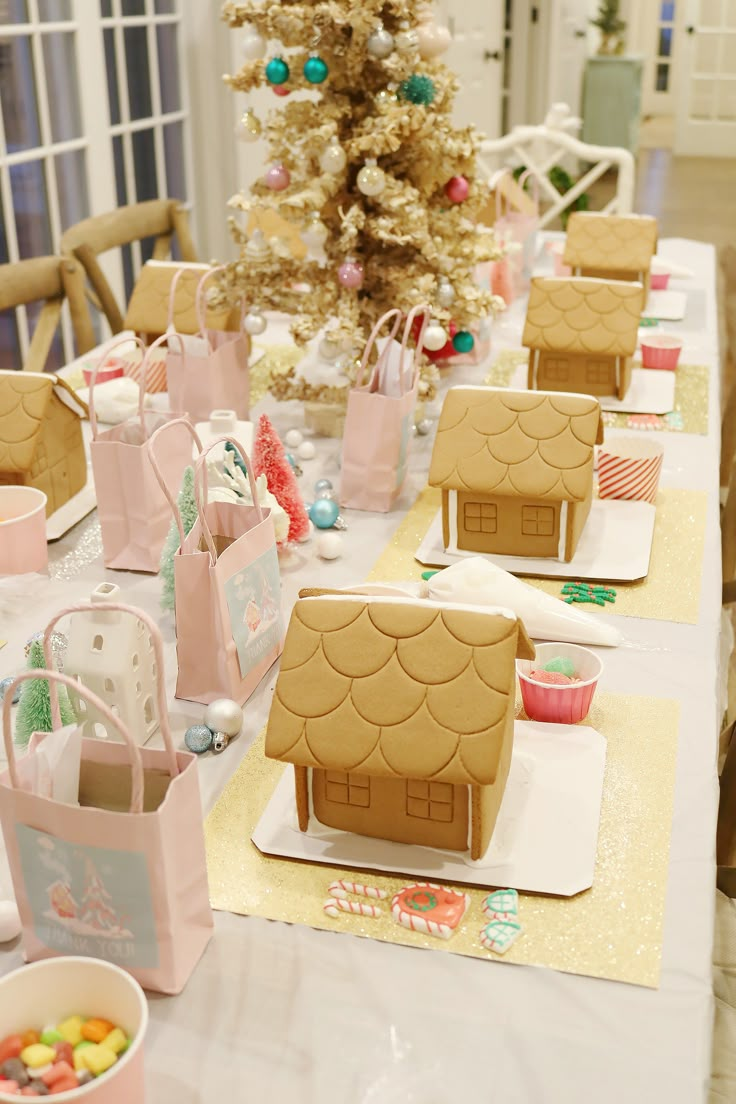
x=219 y=742
x=380 y=42
x=445 y=292
x=224 y=715
x=339 y=523
x=254 y=322
x=322 y=485
x=423 y=427
x=59 y=644
x=4 y=684
x=198 y=738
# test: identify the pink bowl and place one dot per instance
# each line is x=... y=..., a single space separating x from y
x=112 y=368
x=660 y=350
x=658 y=281
x=565 y=704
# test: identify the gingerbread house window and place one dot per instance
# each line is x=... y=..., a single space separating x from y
x=555 y=369
x=348 y=789
x=598 y=371
x=480 y=517
x=537 y=521
x=430 y=800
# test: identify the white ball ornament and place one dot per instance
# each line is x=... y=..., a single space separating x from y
x=10 y=925
x=315 y=233
x=333 y=157
x=306 y=451
x=329 y=545
x=224 y=715
x=371 y=178
x=253 y=44
x=435 y=337
x=254 y=322
x=293 y=438
x=380 y=42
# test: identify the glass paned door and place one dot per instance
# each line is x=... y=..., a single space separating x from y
x=706 y=116
x=661 y=24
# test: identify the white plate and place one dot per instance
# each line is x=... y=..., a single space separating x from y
x=545 y=839
x=615 y=546
x=72 y=511
x=650 y=391
x=668 y=306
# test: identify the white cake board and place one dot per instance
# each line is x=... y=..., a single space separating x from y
x=650 y=391
x=545 y=839
x=615 y=546
x=667 y=306
x=76 y=508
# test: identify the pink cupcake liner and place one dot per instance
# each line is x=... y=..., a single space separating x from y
x=660 y=351
x=566 y=704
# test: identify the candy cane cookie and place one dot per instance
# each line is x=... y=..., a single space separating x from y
x=333 y=906
x=342 y=889
x=429 y=908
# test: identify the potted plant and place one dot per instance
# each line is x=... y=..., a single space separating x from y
x=611 y=27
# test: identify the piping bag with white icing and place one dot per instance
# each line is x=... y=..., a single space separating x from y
x=478 y=582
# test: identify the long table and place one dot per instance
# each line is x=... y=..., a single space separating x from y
x=283 y=1012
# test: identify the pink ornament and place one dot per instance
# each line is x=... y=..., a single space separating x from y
x=350 y=274
x=280 y=90
x=457 y=189
x=277 y=178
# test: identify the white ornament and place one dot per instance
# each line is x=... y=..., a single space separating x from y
x=445 y=292
x=329 y=545
x=254 y=322
x=293 y=438
x=306 y=451
x=333 y=157
x=224 y=715
x=407 y=39
x=433 y=39
x=10 y=925
x=257 y=249
x=253 y=44
x=380 y=42
x=371 y=178
x=435 y=337
x=315 y=233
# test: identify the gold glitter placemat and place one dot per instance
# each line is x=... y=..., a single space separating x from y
x=670 y=592
x=613 y=930
x=690 y=413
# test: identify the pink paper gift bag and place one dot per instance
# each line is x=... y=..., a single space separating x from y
x=378 y=422
x=121 y=876
x=133 y=511
x=213 y=375
x=227 y=592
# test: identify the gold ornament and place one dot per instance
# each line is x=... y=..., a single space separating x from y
x=249 y=126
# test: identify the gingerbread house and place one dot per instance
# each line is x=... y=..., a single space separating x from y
x=398 y=715
x=515 y=469
x=612 y=247
x=41 y=436
x=581 y=334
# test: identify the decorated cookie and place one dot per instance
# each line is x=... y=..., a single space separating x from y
x=333 y=906
x=339 y=901
x=499 y=935
x=429 y=908
x=502 y=905
x=342 y=889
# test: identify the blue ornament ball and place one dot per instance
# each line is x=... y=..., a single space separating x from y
x=463 y=341
x=277 y=71
x=323 y=513
x=4 y=684
x=198 y=738
x=322 y=485
x=315 y=69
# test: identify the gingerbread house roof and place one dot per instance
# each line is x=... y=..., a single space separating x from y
x=25 y=401
x=396 y=687
x=620 y=243
x=533 y=444
x=583 y=315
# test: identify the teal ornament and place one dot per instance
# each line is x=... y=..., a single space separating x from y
x=198 y=738
x=463 y=341
x=322 y=485
x=323 y=513
x=315 y=69
x=562 y=665
x=417 y=89
x=4 y=684
x=277 y=71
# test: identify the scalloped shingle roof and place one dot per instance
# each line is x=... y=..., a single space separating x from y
x=24 y=403
x=405 y=688
x=583 y=315
x=620 y=243
x=534 y=444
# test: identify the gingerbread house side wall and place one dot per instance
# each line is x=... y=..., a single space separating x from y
x=485 y=801
x=301 y=792
x=577 y=515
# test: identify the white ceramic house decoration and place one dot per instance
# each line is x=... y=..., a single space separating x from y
x=111 y=653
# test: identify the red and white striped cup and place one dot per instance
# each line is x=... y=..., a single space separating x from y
x=629 y=467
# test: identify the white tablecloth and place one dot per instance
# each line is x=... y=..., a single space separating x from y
x=286 y=1013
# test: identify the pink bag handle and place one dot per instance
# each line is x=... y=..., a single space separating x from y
x=158 y=652
x=54 y=678
x=172 y=292
x=159 y=474
x=423 y=307
x=200 y=488
x=201 y=306
x=93 y=379
x=373 y=378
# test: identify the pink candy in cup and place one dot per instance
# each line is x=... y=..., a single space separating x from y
x=659 y=276
x=23 y=545
x=660 y=350
x=111 y=368
x=559 y=704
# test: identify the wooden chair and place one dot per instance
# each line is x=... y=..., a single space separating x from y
x=159 y=219
x=47 y=279
x=541 y=148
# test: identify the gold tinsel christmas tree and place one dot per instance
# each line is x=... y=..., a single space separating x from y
x=381 y=185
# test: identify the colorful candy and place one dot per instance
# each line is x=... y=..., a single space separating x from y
x=429 y=908
x=551 y=678
x=61 y=1057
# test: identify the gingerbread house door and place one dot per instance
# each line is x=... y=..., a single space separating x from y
x=432 y=814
